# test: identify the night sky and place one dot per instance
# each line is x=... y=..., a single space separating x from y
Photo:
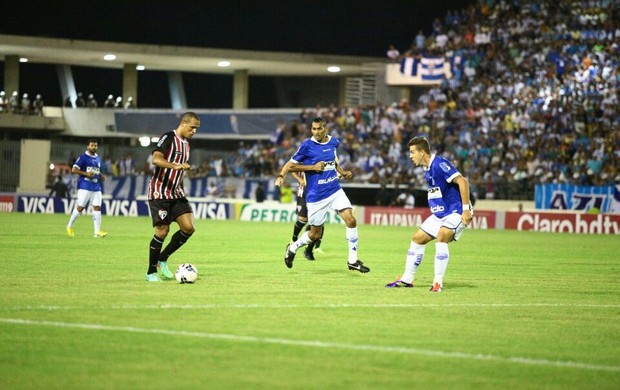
x=364 y=28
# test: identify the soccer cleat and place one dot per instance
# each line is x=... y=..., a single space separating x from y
x=152 y=278
x=70 y=232
x=358 y=266
x=101 y=234
x=318 y=250
x=162 y=266
x=399 y=283
x=436 y=287
x=289 y=256
x=308 y=255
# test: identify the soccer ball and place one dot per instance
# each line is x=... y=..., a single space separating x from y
x=186 y=273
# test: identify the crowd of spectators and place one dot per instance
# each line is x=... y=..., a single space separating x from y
x=21 y=105
x=91 y=102
x=535 y=100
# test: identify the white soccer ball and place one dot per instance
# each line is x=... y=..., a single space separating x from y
x=186 y=273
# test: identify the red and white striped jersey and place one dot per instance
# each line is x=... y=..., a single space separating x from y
x=167 y=183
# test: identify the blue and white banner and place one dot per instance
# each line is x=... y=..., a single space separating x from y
x=432 y=68
x=604 y=199
x=418 y=71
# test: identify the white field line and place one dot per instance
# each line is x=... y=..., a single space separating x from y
x=319 y=344
x=301 y=306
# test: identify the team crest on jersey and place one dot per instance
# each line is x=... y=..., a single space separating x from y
x=444 y=167
x=163 y=214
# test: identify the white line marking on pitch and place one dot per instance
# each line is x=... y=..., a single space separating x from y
x=316 y=306
x=319 y=344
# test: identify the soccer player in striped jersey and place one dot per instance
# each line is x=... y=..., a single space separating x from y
x=166 y=197
x=450 y=204
x=317 y=158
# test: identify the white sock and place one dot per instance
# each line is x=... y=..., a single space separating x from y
x=442 y=256
x=415 y=254
x=302 y=241
x=73 y=217
x=352 y=239
x=97 y=220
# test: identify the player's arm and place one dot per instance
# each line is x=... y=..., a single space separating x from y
x=160 y=161
x=283 y=172
x=77 y=171
x=296 y=167
x=463 y=184
x=343 y=172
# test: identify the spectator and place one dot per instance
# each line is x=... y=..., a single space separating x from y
x=38 y=105
x=109 y=102
x=79 y=100
x=393 y=54
x=91 y=102
x=259 y=193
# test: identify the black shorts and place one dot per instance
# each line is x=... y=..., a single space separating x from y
x=166 y=211
x=302 y=208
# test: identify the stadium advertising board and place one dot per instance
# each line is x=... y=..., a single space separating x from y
x=604 y=199
x=564 y=222
x=117 y=207
x=275 y=212
x=397 y=216
x=6 y=203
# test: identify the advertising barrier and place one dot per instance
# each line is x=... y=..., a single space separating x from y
x=275 y=212
x=564 y=222
x=118 y=207
x=604 y=199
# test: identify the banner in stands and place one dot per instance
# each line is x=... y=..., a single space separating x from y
x=604 y=199
x=219 y=124
x=117 y=207
x=564 y=222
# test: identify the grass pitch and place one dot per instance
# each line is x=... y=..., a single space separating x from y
x=518 y=310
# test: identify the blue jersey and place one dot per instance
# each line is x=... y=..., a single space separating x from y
x=88 y=163
x=444 y=197
x=319 y=185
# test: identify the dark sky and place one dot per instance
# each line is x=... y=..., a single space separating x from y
x=329 y=27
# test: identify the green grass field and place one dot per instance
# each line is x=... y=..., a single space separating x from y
x=518 y=310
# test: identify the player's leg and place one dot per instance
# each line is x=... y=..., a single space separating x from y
x=96 y=202
x=302 y=218
x=426 y=233
x=353 y=261
x=80 y=203
x=161 y=227
x=185 y=220
x=317 y=215
x=442 y=253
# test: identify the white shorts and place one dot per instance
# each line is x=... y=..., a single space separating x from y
x=453 y=221
x=317 y=211
x=85 y=196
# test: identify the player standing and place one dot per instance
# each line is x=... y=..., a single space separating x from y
x=448 y=199
x=167 y=201
x=317 y=158
x=88 y=167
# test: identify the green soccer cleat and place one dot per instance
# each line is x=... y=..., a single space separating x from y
x=162 y=266
x=152 y=278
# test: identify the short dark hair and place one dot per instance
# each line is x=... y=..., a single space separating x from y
x=320 y=120
x=92 y=140
x=188 y=116
x=421 y=143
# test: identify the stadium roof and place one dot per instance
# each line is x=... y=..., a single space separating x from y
x=177 y=58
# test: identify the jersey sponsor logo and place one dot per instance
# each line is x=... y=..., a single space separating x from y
x=327 y=181
x=434 y=193
x=162 y=140
x=437 y=209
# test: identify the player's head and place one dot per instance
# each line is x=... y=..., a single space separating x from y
x=319 y=129
x=92 y=145
x=189 y=125
x=419 y=150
